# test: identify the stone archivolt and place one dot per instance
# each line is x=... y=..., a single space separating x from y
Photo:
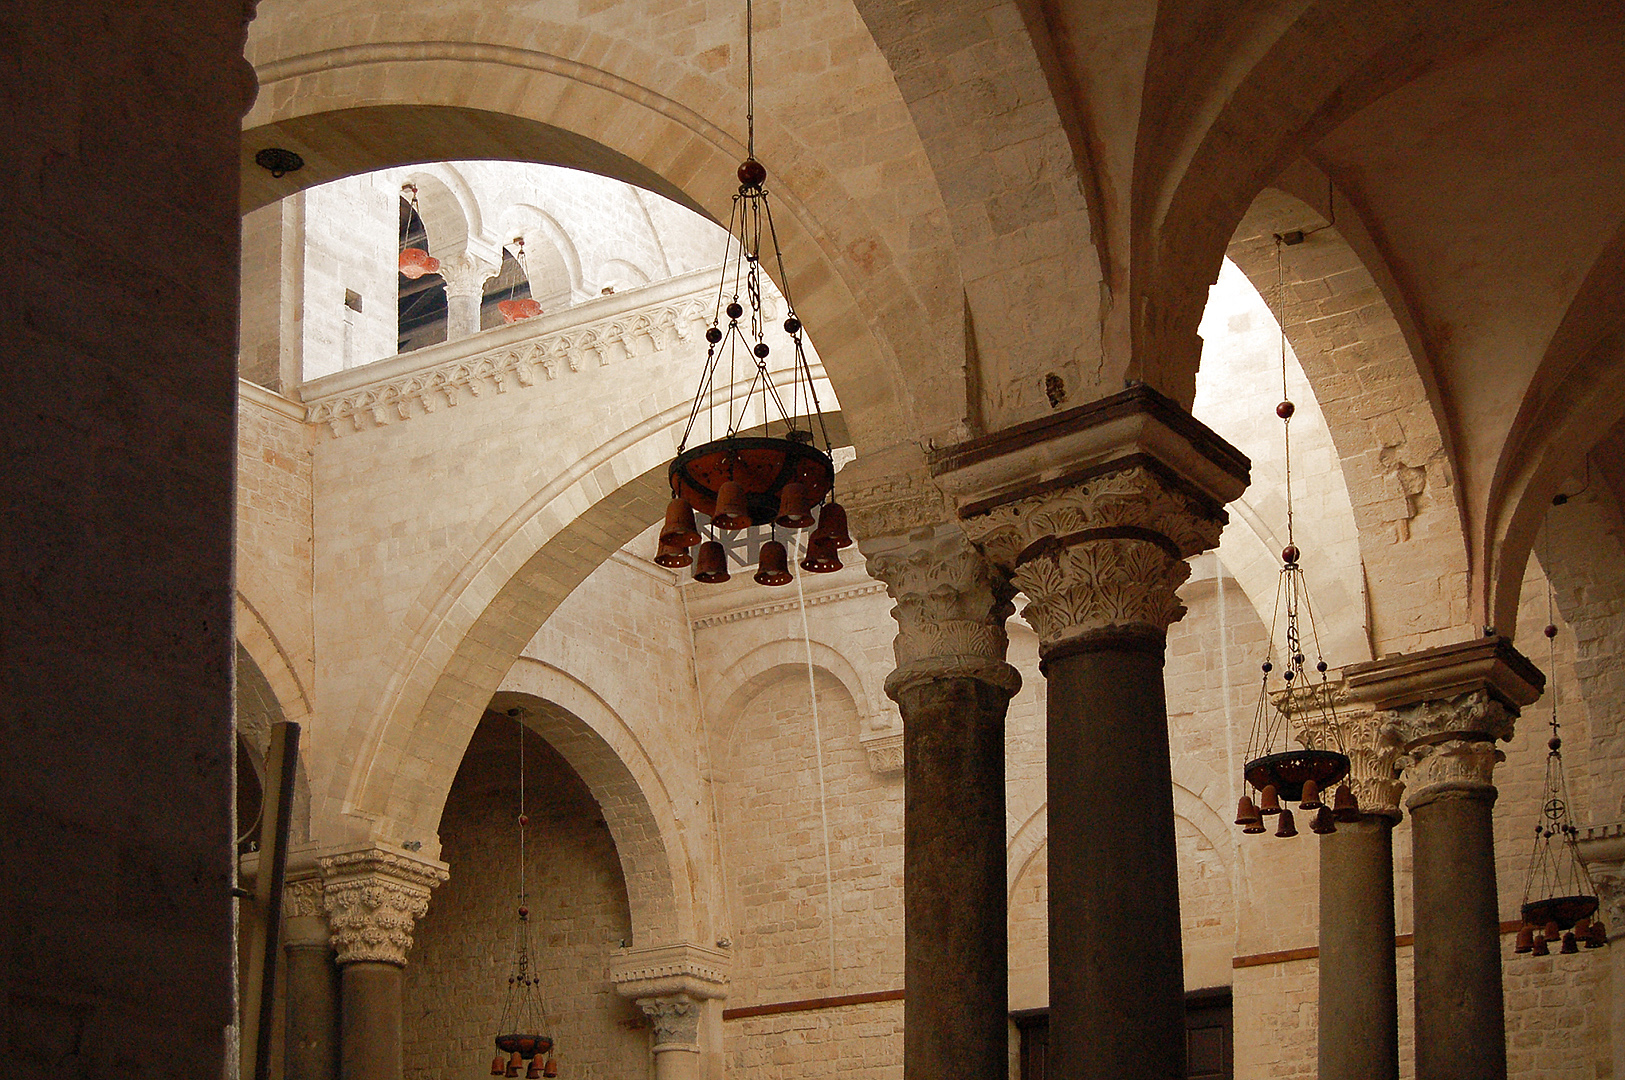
x=1104 y=553
x=373 y=898
x=950 y=611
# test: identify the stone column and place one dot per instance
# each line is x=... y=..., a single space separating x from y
x=1093 y=513
x=953 y=689
x=1602 y=849
x=1359 y=997
x=465 y=277
x=310 y=1046
x=680 y=988
x=1449 y=705
x=373 y=895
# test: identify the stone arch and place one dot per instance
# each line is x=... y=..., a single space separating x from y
x=1574 y=400
x=552 y=263
x=609 y=757
x=622 y=274
x=268 y=691
x=477 y=615
x=450 y=213
x=358 y=107
x=1358 y=346
x=765 y=664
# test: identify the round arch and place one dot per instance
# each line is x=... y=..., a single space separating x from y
x=476 y=616
x=609 y=757
x=747 y=676
x=367 y=106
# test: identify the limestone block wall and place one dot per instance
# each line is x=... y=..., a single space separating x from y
x=275 y=463
x=351 y=240
x=456 y=977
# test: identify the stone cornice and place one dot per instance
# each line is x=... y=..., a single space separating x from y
x=270 y=401
x=1490 y=664
x=1068 y=448
x=757 y=611
x=663 y=970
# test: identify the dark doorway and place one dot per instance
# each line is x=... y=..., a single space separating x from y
x=1209 y=1049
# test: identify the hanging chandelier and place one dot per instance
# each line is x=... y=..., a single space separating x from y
x=1289 y=699
x=521 y=1041
x=524 y=307
x=414 y=262
x=1559 y=898
x=780 y=479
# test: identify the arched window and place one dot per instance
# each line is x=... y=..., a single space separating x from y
x=510 y=283
x=422 y=301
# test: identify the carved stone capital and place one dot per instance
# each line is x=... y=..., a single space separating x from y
x=373 y=896
x=1477 y=714
x=466 y=274
x=1453 y=767
x=951 y=606
x=885 y=750
x=675 y=1019
x=1373 y=747
x=1107 y=553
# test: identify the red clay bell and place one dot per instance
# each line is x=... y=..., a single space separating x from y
x=774 y=568
x=535 y=1070
x=1246 y=812
x=1345 y=807
x=679 y=530
x=821 y=556
x=514 y=1063
x=1540 y=948
x=832 y=524
x=732 y=511
x=1286 y=828
x=551 y=1068
x=795 y=509
x=1324 y=821
x=1311 y=796
x=499 y=1066
x=673 y=558
x=1269 y=801
x=711 y=564
x=1526 y=940
x=1596 y=935
x=1570 y=946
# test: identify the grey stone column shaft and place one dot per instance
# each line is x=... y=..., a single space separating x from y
x=1460 y=1024
x=1359 y=997
x=371 y=1021
x=1116 y=968
x=956 y=928
x=311 y=1044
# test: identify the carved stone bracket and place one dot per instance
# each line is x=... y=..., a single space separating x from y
x=373 y=896
x=951 y=608
x=885 y=750
x=670 y=983
x=1106 y=553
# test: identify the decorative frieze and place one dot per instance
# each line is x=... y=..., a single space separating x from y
x=373 y=897
x=547 y=353
x=813 y=599
x=951 y=607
